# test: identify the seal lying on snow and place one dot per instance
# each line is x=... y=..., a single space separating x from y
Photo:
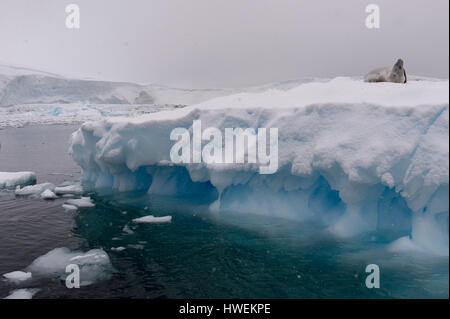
x=396 y=74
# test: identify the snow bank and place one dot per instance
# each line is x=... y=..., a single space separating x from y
x=153 y=219
x=357 y=156
x=12 y=180
x=94 y=265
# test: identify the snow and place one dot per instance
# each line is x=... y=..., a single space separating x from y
x=17 y=276
x=48 y=194
x=352 y=154
x=25 y=293
x=12 y=180
x=153 y=219
x=94 y=264
x=35 y=189
x=81 y=202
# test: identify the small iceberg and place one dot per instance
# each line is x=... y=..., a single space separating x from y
x=81 y=202
x=75 y=189
x=48 y=194
x=94 y=265
x=12 y=180
x=34 y=189
x=69 y=208
x=153 y=219
x=26 y=293
x=17 y=276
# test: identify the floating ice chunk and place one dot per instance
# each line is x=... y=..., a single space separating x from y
x=35 y=189
x=17 y=276
x=94 y=265
x=118 y=248
x=26 y=293
x=48 y=194
x=153 y=219
x=82 y=202
x=12 y=180
x=127 y=230
x=75 y=189
x=136 y=246
x=69 y=208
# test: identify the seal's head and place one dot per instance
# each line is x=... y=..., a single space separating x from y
x=398 y=73
x=398 y=64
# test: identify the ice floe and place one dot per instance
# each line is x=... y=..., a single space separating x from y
x=94 y=264
x=25 y=293
x=17 y=276
x=11 y=180
x=34 y=189
x=81 y=202
x=153 y=219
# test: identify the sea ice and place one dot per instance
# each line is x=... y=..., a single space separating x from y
x=81 y=202
x=69 y=208
x=153 y=219
x=17 y=276
x=74 y=189
x=94 y=265
x=48 y=194
x=26 y=293
x=35 y=189
x=12 y=180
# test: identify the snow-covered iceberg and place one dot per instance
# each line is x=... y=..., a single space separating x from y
x=357 y=156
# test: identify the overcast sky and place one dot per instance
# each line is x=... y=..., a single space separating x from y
x=223 y=43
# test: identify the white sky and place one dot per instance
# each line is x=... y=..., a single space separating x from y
x=224 y=43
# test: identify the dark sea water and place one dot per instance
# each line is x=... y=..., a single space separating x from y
x=199 y=254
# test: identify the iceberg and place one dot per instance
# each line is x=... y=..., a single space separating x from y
x=358 y=157
x=12 y=180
